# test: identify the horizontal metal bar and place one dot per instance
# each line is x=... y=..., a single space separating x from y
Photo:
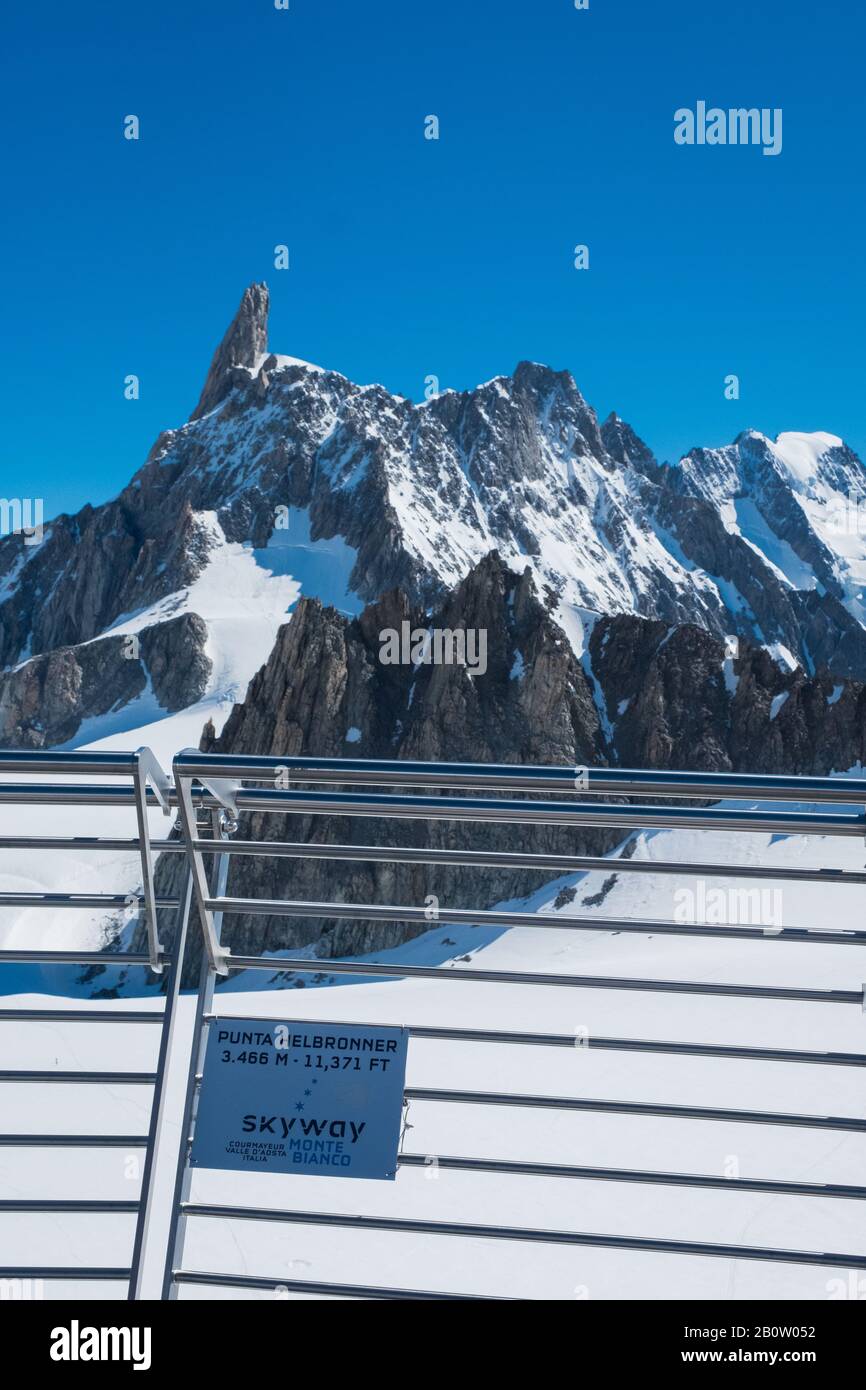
x=646 y=1045
x=106 y=958
x=76 y=900
x=303 y=965
x=592 y=781
x=431 y=1033
x=845 y=1124
x=318 y=1287
x=603 y=1044
x=86 y=842
x=451 y=776
x=84 y=1078
x=68 y=794
x=90 y=794
x=79 y=1016
x=507 y=859
x=73 y=1141
x=458 y=916
x=56 y=1206
x=505 y=777
x=630 y=1175
x=85 y=762
x=478 y=859
x=414 y=1226
x=63 y=1272
x=546 y=812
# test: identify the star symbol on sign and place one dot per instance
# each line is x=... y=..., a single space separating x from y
x=299 y=1105
x=308 y=1093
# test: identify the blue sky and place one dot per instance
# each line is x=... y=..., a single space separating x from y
x=412 y=257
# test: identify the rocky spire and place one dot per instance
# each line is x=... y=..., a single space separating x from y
x=245 y=340
x=623 y=444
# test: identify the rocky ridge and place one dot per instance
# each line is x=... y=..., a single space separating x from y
x=739 y=540
x=646 y=695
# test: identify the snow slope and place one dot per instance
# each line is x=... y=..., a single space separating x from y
x=798 y=501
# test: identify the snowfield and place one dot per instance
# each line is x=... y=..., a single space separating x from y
x=506 y=1268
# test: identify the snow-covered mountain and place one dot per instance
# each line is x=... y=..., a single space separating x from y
x=799 y=503
x=290 y=479
x=615 y=578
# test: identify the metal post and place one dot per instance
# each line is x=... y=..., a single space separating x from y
x=213 y=950
x=147 y=769
x=204 y=1006
x=158 y=1105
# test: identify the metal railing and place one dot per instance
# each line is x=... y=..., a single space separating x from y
x=211 y=791
x=223 y=776
x=143 y=785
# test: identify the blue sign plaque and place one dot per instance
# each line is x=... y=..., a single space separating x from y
x=322 y=1099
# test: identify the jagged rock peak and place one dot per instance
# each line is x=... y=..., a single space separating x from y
x=622 y=443
x=245 y=340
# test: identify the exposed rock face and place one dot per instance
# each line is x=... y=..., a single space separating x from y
x=43 y=702
x=95 y=566
x=676 y=702
x=325 y=677
x=623 y=445
x=652 y=697
x=245 y=340
x=794 y=498
x=176 y=661
x=324 y=691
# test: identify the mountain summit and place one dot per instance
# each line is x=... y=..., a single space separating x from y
x=290 y=480
x=244 y=343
